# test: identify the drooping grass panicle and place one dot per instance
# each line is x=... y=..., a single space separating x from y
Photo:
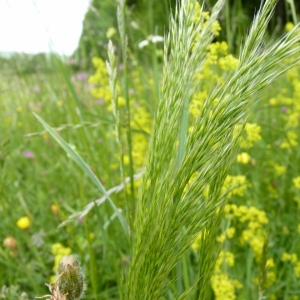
x=158 y=220
x=182 y=61
x=254 y=39
x=168 y=200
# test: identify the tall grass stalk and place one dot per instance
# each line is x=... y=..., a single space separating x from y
x=291 y=3
x=124 y=46
x=172 y=211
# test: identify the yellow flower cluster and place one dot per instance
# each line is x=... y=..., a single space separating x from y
x=243 y=158
x=59 y=251
x=292 y=258
x=251 y=136
x=229 y=233
x=290 y=140
x=204 y=15
x=217 y=62
x=141 y=118
x=254 y=234
x=100 y=80
x=235 y=185
x=140 y=124
x=291 y=110
x=223 y=286
x=296 y=182
x=271 y=278
x=280 y=170
x=271 y=275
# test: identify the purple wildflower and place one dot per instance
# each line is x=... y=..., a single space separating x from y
x=72 y=61
x=80 y=219
x=81 y=76
x=28 y=154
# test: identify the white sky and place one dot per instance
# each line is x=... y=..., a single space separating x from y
x=33 y=26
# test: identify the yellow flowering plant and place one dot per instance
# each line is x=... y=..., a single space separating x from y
x=23 y=223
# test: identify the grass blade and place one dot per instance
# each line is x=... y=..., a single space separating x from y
x=81 y=163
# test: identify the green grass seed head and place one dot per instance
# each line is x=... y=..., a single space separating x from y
x=71 y=279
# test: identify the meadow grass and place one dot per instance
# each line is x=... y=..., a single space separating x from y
x=191 y=196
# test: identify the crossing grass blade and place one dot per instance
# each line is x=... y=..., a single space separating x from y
x=86 y=169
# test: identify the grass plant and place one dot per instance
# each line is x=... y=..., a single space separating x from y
x=169 y=217
x=193 y=196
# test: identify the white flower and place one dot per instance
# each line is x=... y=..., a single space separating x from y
x=144 y=43
x=152 y=39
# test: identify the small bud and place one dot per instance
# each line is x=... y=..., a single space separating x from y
x=10 y=243
x=71 y=279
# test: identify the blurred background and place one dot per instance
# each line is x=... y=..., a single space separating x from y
x=82 y=28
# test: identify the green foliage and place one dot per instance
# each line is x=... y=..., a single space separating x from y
x=100 y=17
x=144 y=18
x=150 y=17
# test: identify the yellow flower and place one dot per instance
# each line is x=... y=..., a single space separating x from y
x=235 y=185
x=271 y=278
x=111 y=31
x=92 y=236
x=291 y=140
x=221 y=238
x=56 y=248
x=230 y=232
x=216 y=28
x=243 y=158
x=296 y=182
x=294 y=258
x=270 y=263
x=23 y=223
x=280 y=170
x=297 y=269
x=289 y=26
x=54 y=209
x=286 y=256
x=59 y=249
x=196 y=244
x=273 y=101
x=251 y=136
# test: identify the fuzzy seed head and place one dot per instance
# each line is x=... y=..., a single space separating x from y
x=71 y=279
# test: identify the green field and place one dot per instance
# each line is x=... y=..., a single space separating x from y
x=171 y=171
